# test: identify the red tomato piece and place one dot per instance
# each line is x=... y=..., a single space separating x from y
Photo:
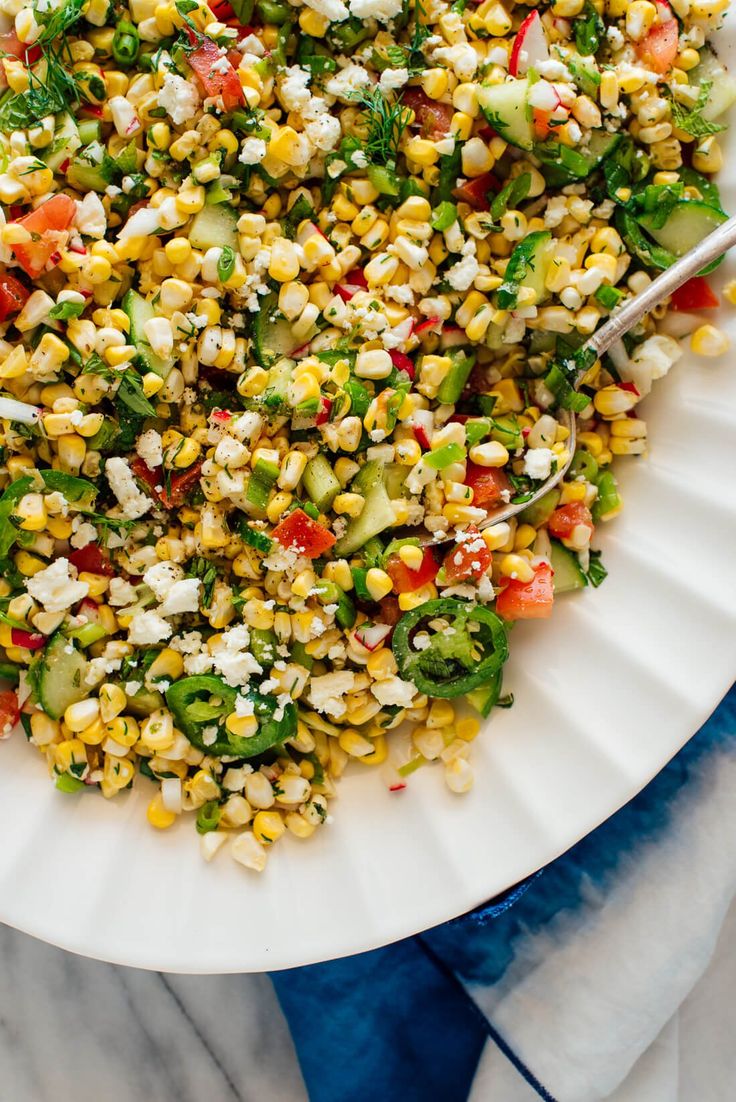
x=406 y=580
x=180 y=486
x=92 y=560
x=432 y=118
x=303 y=534
x=488 y=485
x=11 y=46
x=13 y=295
x=9 y=713
x=48 y=226
x=152 y=478
x=467 y=559
x=696 y=294
x=566 y=519
x=390 y=612
x=215 y=73
x=476 y=192
x=527 y=600
x=658 y=49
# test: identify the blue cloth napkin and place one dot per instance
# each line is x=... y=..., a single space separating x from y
x=412 y=1021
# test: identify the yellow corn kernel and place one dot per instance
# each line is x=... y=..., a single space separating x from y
x=242 y=726
x=296 y=823
x=381 y=664
x=28 y=564
x=124 y=730
x=592 y=443
x=69 y=752
x=524 y=537
x=509 y=398
x=158 y=816
x=467 y=728
x=80 y=715
x=32 y=509
x=112 y=701
x=44 y=729
x=514 y=566
x=97 y=584
x=435 y=82
x=71 y=450
x=313 y=23
x=441 y=714
x=378 y=583
x=407 y=601
x=709 y=341
x=268 y=826
x=379 y=753
x=411 y=556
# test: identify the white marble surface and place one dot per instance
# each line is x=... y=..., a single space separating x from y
x=76 y=1030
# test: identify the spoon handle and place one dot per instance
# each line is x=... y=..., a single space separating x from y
x=634 y=309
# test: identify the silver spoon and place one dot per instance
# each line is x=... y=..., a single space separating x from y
x=621 y=321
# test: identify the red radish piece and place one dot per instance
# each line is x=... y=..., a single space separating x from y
x=325 y=410
x=420 y=435
x=402 y=362
x=221 y=415
x=530 y=46
x=658 y=49
x=452 y=337
x=419 y=328
x=664 y=11
x=371 y=636
x=31 y=640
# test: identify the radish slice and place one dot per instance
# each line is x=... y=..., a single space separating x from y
x=19 y=411
x=371 y=635
x=664 y=11
x=530 y=47
x=31 y=640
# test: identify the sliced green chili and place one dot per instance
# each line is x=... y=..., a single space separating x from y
x=201 y=705
x=464 y=650
x=126 y=43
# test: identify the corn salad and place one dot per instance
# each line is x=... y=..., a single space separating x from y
x=289 y=300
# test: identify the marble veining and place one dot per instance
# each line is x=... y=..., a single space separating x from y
x=76 y=1030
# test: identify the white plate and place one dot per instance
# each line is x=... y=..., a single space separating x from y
x=606 y=692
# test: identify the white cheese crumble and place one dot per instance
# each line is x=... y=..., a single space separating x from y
x=179 y=98
x=150 y=448
x=133 y=501
x=90 y=218
x=538 y=462
x=148 y=627
x=56 y=588
x=326 y=693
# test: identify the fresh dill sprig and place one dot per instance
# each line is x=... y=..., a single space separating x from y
x=690 y=119
x=420 y=35
x=387 y=122
x=58 y=22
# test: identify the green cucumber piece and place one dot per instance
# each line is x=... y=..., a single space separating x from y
x=586 y=75
x=58 y=674
x=272 y=335
x=145 y=702
x=85 y=177
x=215 y=226
x=66 y=142
x=279 y=376
x=454 y=381
x=562 y=165
x=320 y=482
x=485 y=696
x=140 y=310
x=377 y=513
x=506 y=108
x=689 y=223
x=568 y=573
x=527 y=267
x=722 y=93
x=539 y=512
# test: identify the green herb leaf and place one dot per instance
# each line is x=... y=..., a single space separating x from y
x=690 y=119
x=63 y=311
x=226 y=264
x=131 y=393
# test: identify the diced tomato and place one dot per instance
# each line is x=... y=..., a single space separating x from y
x=402 y=362
x=11 y=46
x=390 y=612
x=696 y=294
x=48 y=225
x=13 y=295
x=406 y=580
x=9 y=713
x=567 y=518
x=467 y=559
x=541 y=120
x=180 y=486
x=658 y=49
x=92 y=560
x=488 y=484
x=527 y=600
x=92 y=109
x=215 y=73
x=476 y=192
x=432 y=118
x=303 y=534
x=31 y=640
